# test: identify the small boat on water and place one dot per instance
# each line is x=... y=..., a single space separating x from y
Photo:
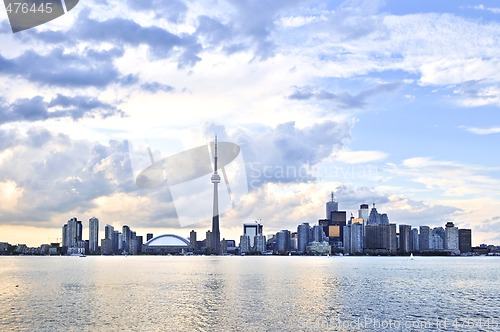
x=411 y=256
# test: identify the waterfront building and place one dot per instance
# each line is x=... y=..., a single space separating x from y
x=208 y=242
x=318 y=248
x=438 y=238
x=167 y=244
x=93 y=235
x=252 y=230
x=451 y=238
x=259 y=243
x=353 y=236
x=465 y=240
x=404 y=239
x=283 y=240
x=415 y=244
x=140 y=243
x=425 y=239
x=381 y=239
x=149 y=236
x=192 y=239
x=244 y=244
x=303 y=232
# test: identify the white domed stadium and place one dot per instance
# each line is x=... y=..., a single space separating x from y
x=167 y=244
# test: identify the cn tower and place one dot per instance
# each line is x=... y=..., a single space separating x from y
x=215 y=219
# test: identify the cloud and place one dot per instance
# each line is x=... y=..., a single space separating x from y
x=286 y=153
x=172 y=10
x=154 y=87
x=37 y=109
x=58 y=175
x=494 y=10
x=482 y=131
x=359 y=157
x=89 y=68
x=249 y=27
x=451 y=178
x=344 y=100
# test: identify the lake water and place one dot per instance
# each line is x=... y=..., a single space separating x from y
x=208 y=293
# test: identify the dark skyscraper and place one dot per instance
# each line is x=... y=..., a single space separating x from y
x=192 y=239
x=215 y=245
x=465 y=240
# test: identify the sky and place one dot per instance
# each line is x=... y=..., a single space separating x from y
x=388 y=102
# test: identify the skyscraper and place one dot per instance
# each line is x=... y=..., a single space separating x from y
x=331 y=206
x=244 y=244
x=252 y=230
x=192 y=239
x=415 y=243
x=93 y=235
x=303 y=232
x=425 y=238
x=283 y=242
x=353 y=236
x=376 y=218
x=464 y=240
x=404 y=239
x=364 y=212
x=451 y=238
x=215 y=245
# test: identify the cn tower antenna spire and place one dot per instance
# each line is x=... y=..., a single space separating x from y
x=215 y=157
x=215 y=245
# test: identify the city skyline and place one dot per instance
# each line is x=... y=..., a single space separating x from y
x=72 y=234
x=394 y=103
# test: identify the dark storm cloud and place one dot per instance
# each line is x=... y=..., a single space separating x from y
x=344 y=99
x=37 y=109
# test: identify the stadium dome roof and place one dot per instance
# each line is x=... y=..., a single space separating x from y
x=168 y=240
